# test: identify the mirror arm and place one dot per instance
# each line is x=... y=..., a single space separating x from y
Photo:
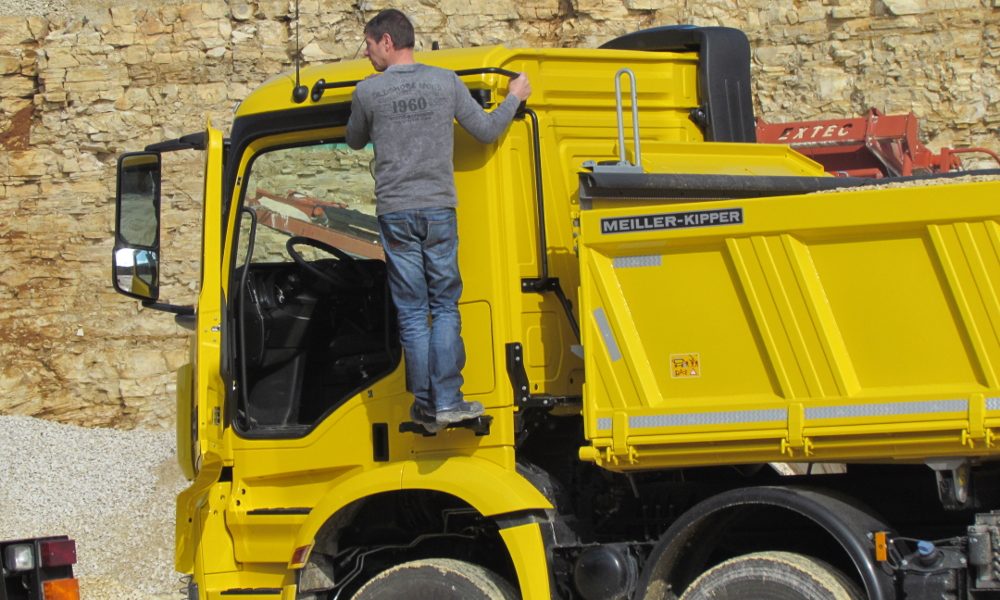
x=189 y=322
x=181 y=311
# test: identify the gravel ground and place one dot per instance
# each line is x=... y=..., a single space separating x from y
x=112 y=491
x=31 y=7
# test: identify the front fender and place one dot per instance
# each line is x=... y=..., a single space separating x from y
x=483 y=485
x=345 y=489
x=494 y=491
x=487 y=487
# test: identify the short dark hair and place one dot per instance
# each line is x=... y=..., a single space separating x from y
x=393 y=22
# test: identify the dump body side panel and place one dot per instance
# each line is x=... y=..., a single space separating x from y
x=861 y=325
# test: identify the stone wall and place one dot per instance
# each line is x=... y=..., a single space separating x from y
x=80 y=87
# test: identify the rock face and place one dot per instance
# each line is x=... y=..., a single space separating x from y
x=77 y=87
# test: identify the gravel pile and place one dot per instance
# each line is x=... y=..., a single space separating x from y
x=112 y=491
x=880 y=183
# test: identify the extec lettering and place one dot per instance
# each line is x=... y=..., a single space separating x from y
x=816 y=132
x=679 y=220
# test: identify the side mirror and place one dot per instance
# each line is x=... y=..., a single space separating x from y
x=136 y=259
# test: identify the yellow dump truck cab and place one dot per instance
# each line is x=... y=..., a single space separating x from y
x=702 y=359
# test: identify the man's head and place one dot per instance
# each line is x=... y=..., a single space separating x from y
x=389 y=39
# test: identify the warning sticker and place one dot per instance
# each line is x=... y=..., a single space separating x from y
x=685 y=366
x=677 y=220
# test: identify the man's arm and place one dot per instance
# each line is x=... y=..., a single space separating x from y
x=487 y=126
x=357 y=133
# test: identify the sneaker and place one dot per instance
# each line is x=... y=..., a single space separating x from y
x=463 y=412
x=418 y=416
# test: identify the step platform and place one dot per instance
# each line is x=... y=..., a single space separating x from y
x=478 y=425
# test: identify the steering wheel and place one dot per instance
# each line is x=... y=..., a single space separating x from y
x=333 y=277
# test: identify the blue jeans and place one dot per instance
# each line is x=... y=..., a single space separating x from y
x=421 y=252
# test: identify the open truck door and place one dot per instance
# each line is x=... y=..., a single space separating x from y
x=137 y=262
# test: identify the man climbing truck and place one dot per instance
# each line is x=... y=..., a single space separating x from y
x=703 y=378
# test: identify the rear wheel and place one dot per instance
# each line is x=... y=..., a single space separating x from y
x=436 y=579
x=773 y=576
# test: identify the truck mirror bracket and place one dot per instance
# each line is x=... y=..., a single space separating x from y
x=179 y=310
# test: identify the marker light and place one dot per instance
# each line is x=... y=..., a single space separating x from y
x=881 y=546
x=19 y=557
x=299 y=557
x=61 y=589
x=58 y=553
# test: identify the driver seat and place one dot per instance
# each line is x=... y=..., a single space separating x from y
x=356 y=357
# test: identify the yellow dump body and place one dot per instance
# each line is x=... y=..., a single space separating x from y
x=861 y=325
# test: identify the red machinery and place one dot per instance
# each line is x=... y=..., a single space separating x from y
x=875 y=145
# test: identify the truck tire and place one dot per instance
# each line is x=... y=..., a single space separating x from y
x=772 y=576
x=436 y=579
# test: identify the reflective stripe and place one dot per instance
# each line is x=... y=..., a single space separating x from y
x=993 y=404
x=887 y=409
x=881 y=409
x=710 y=418
x=626 y=262
x=609 y=337
x=729 y=417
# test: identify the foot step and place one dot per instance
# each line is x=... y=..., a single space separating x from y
x=478 y=425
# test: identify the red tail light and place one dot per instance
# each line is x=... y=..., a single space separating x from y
x=58 y=553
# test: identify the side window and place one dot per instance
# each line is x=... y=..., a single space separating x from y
x=325 y=192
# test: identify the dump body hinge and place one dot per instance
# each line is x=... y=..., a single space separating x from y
x=953 y=481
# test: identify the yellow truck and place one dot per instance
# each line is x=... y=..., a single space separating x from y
x=710 y=370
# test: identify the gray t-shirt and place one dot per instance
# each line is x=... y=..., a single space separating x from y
x=408 y=112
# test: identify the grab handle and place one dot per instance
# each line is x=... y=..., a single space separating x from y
x=621 y=123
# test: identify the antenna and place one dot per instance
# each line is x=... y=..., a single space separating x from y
x=299 y=92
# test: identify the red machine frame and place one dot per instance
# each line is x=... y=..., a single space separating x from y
x=875 y=145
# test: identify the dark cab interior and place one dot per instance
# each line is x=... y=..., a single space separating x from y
x=310 y=334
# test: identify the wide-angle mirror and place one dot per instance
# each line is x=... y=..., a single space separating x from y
x=137 y=226
x=137 y=273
